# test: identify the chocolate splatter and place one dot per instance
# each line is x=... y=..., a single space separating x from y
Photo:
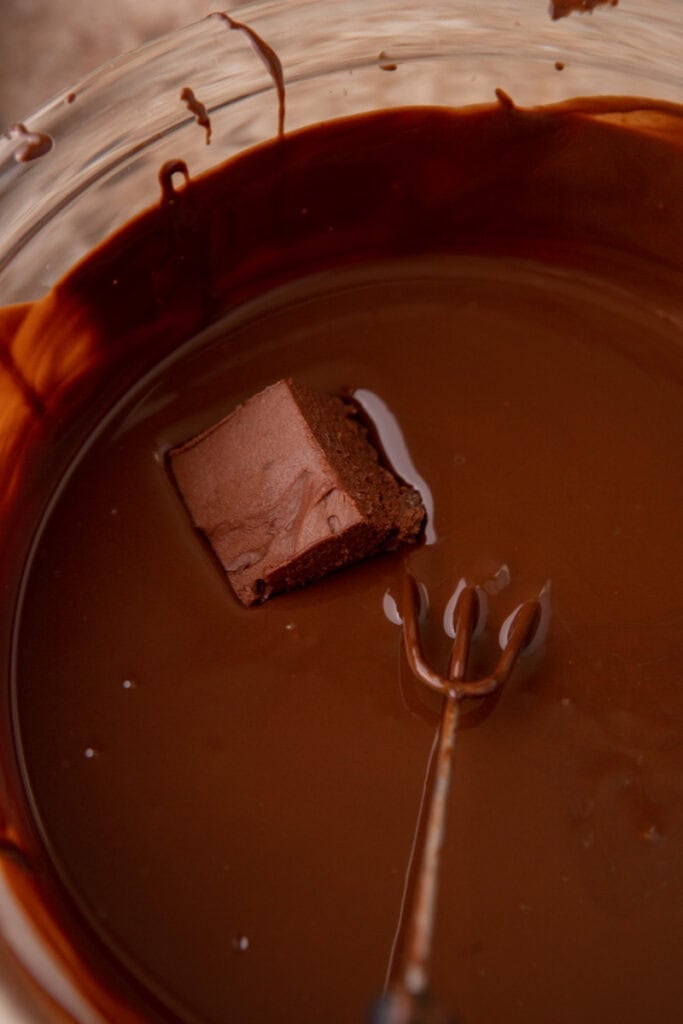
x=198 y=109
x=386 y=64
x=33 y=144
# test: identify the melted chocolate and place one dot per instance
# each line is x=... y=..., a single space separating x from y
x=223 y=801
x=20 y=384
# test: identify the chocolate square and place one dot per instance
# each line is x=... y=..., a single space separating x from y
x=288 y=488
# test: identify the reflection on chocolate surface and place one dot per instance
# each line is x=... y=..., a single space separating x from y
x=475 y=271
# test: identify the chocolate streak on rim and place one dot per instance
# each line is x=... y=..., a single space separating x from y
x=269 y=58
x=198 y=109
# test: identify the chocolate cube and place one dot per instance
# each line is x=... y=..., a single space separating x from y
x=288 y=488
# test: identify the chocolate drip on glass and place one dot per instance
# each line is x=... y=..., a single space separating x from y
x=198 y=109
x=32 y=145
x=269 y=58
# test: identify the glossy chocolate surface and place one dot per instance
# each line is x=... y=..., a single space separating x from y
x=230 y=795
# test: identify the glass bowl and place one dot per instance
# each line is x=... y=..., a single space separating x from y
x=112 y=132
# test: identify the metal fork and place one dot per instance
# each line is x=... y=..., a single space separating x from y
x=407 y=999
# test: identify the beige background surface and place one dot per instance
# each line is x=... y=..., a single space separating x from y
x=48 y=45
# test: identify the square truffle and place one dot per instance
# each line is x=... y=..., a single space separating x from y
x=288 y=488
